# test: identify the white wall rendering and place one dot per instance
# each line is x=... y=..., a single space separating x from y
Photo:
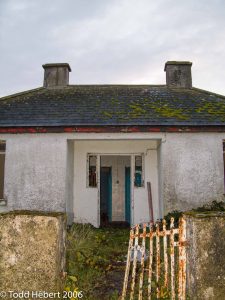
x=48 y=172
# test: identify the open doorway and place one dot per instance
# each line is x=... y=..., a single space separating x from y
x=115 y=190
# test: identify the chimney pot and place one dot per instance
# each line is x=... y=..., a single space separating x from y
x=56 y=75
x=178 y=74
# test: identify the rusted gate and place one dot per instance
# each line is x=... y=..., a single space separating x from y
x=156 y=262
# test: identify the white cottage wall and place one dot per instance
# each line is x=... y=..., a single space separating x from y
x=35 y=172
x=140 y=194
x=192 y=170
x=38 y=168
x=70 y=181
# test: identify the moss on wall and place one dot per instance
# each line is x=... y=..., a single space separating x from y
x=32 y=251
x=205 y=255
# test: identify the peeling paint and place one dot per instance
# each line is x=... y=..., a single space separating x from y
x=100 y=129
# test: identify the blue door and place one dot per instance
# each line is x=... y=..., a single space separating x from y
x=127 y=194
x=105 y=195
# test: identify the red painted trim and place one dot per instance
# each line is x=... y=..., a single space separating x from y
x=102 y=129
x=23 y=130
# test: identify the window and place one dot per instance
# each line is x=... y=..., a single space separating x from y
x=2 y=167
x=92 y=169
x=138 y=175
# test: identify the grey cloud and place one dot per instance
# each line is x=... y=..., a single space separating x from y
x=119 y=41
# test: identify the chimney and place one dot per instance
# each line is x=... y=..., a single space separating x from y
x=56 y=75
x=178 y=74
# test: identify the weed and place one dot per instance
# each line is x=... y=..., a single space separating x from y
x=96 y=261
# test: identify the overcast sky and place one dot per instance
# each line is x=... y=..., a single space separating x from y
x=111 y=41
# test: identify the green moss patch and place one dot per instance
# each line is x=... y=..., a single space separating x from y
x=213 y=209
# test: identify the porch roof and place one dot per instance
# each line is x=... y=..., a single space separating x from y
x=112 y=105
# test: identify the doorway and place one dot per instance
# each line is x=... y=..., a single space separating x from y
x=105 y=195
x=115 y=190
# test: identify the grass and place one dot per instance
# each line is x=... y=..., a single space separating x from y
x=96 y=258
x=96 y=261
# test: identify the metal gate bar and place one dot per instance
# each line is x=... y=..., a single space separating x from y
x=156 y=262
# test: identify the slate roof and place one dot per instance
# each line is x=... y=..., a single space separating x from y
x=112 y=105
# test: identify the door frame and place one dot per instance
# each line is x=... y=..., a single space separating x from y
x=132 y=168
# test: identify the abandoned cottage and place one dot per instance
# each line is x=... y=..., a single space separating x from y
x=91 y=150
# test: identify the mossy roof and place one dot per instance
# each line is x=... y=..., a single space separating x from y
x=112 y=105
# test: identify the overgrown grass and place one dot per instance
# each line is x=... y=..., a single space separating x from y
x=96 y=258
x=96 y=261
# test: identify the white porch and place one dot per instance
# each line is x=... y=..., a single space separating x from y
x=116 y=154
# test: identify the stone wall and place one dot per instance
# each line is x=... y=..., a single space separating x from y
x=205 y=255
x=32 y=251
